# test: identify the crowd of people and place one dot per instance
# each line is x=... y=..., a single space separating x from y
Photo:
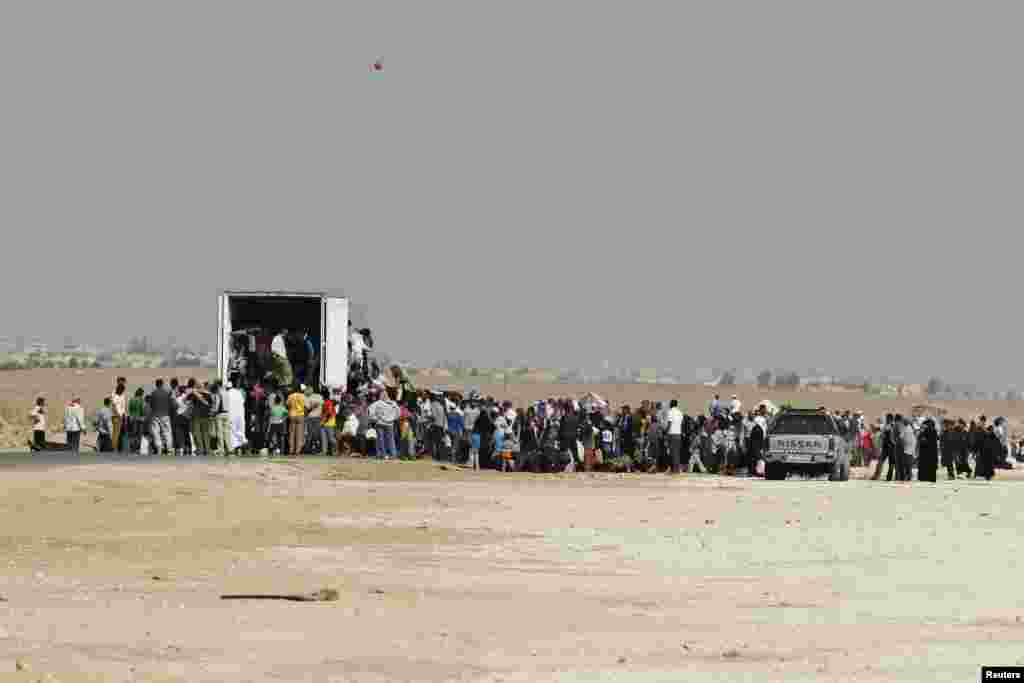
x=388 y=418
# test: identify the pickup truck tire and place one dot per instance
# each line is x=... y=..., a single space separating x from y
x=774 y=471
x=840 y=472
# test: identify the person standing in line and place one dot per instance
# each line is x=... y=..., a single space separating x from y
x=627 y=431
x=716 y=407
x=234 y=404
x=887 y=444
x=119 y=406
x=906 y=454
x=296 y=421
x=172 y=394
x=927 y=452
x=328 y=426
x=160 y=429
x=568 y=436
x=756 y=441
x=989 y=450
x=132 y=428
x=384 y=414
x=963 y=464
x=674 y=429
x=201 y=402
x=735 y=405
x=867 y=445
x=74 y=425
x=349 y=430
x=105 y=427
x=281 y=366
x=312 y=362
x=38 y=417
x=484 y=429
x=276 y=443
x=182 y=423
x=438 y=426
x=220 y=421
x=948 y=447
x=314 y=413
x=456 y=428
x=500 y=434
x=473 y=424
x=470 y=413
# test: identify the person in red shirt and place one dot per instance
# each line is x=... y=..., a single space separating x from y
x=867 y=446
x=328 y=426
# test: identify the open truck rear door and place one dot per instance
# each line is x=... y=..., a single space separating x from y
x=334 y=342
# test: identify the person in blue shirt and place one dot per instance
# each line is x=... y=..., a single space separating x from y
x=312 y=370
x=456 y=428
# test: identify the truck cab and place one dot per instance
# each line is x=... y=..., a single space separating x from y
x=807 y=442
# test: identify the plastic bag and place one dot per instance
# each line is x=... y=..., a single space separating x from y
x=144 y=446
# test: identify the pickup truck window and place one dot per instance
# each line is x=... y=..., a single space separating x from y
x=818 y=425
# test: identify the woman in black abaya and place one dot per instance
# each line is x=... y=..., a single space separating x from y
x=989 y=448
x=927 y=452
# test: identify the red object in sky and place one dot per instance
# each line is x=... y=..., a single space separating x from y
x=377 y=66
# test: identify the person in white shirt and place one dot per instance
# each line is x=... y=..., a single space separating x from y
x=38 y=416
x=674 y=428
x=735 y=406
x=74 y=425
x=280 y=366
x=909 y=443
x=358 y=345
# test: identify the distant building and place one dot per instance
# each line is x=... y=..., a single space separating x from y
x=817 y=381
x=38 y=347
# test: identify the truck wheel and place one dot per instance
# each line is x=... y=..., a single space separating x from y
x=774 y=471
x=840 y=472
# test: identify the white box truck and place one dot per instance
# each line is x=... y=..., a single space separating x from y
x=322 y=314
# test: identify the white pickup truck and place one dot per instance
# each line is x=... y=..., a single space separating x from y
x=806 y=442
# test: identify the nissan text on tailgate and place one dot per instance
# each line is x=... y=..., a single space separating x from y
x=806 y=442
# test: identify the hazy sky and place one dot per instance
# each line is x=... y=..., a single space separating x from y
x=674 y=184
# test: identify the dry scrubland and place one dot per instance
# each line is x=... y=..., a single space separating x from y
x=19 y=388
x=114 y=572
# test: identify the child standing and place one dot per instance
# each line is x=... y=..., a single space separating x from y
x=275 y=433
x=608 y=440
x=474 y=450
x=504 y=456
x=408 y=440
x=371 y=442
x=348 y=433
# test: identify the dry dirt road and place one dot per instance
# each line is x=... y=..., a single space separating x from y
x=113 y=572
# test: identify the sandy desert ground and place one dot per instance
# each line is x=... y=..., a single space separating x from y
x=113 y=572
